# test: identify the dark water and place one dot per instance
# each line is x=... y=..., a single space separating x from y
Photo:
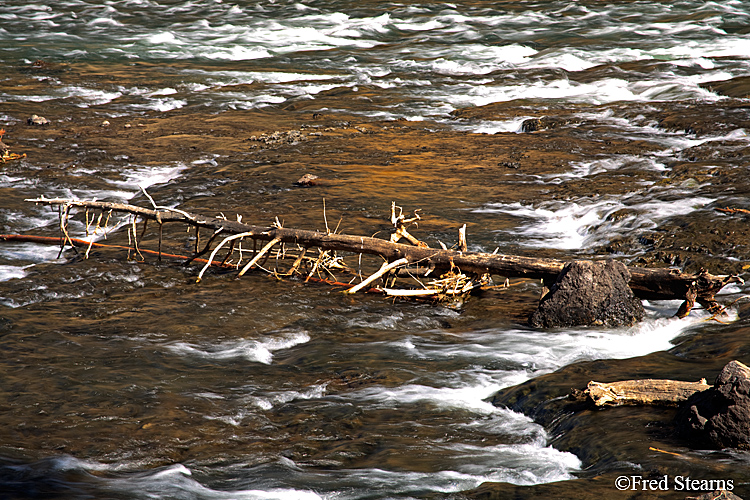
x=124 y=378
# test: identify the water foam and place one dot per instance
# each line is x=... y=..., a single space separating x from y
x=12 y=272
x=259 y=351
x=548 y=465
x=267 y=400
x=585 y=224
x=174 y=481
x=145 y=177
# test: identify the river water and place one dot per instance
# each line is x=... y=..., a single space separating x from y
x=123 y=378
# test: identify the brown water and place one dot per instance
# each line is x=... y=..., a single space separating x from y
x=123 y=378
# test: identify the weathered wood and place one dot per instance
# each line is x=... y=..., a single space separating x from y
x=645 y=283
x=652 y=392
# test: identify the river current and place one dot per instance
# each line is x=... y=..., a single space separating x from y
x=123 y=378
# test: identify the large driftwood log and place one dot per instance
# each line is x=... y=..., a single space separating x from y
x=652 y=392
x=646 y=283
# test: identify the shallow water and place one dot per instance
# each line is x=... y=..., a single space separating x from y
x=124 y=378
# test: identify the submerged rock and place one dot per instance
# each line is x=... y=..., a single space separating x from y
x=589 y=293
x=719 y=417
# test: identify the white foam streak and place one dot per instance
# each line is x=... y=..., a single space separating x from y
x=12 y=272
x=259 y=351
x=521 y=464
x=494 y=127
x=598 y=92
x=175 y=481
x=466 y=397
x=571 y=225
x=234 y=53
x=30 y=252
x=543 y=352
x=146 y=177
x=226 y=78
x=267 y=401
x=523 y=353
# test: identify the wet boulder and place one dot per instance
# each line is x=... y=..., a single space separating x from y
x=719 y=417
x=589 y=293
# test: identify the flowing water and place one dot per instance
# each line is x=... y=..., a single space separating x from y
x=123 y=378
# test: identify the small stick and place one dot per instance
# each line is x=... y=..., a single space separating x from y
x=298 y=261
x=161 y=227
x=130 y=243
x=135 y=238
x=260 y=254
x=145 y=225
x=229 y=253
x=395 y=292
x=383 y=269
x=462 y=246
x=338 y=224
x=63 y=227
x=205 y=248
x=96 y=229
x=62 y=240
x=667 y=452
x=213 y=254
x=729 y=210
x=159 y=207
x=317 y=263
x=88 y=249
x=106 y=223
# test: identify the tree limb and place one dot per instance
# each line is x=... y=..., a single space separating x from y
x=651 y=392
x=658 y=284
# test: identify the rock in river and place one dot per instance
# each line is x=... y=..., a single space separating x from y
x=719 y=417
x=37 y=120
x=589 y=293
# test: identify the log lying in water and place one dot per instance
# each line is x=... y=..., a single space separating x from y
x=657 y=284
x=653 y=392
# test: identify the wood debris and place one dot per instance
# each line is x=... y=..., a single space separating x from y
x=460 y=271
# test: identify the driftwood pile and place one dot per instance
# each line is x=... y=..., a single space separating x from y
x=434 y=272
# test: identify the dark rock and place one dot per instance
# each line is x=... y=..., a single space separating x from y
x=589 y=293
x=546 y=123
x=531 y=125
x=509 y=164
x=738 y=87
x=719 y=417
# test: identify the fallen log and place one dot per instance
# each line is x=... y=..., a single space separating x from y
x=657 y=284
x=647 y=392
